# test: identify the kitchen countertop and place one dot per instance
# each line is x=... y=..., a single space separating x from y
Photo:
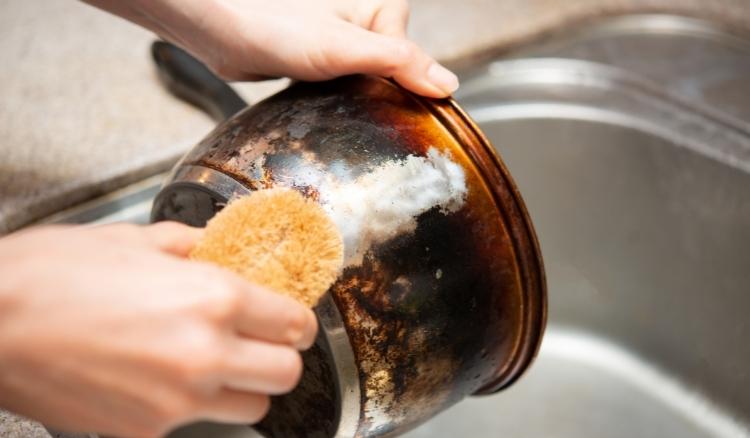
x=82 y=112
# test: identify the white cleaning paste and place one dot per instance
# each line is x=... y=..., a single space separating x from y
x=384 y=203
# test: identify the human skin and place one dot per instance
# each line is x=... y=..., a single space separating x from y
x=112 y=330
x=302 y=39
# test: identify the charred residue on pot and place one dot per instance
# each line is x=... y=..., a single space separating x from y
x=329 y=127
x=432 y=315
x=424 y=340
x=395 y=310
x=413 y=333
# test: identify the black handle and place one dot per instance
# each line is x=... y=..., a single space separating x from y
x=191 y=81
x=57 y=434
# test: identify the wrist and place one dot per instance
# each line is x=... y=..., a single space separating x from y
x=159 y=17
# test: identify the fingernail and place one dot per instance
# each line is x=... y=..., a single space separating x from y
x=442 y=78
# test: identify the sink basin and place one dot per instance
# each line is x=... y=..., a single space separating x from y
x=643 y=213
x=640 y=193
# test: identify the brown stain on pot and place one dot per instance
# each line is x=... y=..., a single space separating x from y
x=455 y=308
x=400 y=315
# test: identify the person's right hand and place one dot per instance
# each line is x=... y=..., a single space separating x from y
x=111 y=330
x=309 y=40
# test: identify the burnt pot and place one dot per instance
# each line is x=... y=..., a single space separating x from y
x=455 y=308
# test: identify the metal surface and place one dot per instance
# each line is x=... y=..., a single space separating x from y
x=124 y=205
x=642 y=205
x=691 y=59
x=641 y=198
x=345 y=366
x=326 y=403
x=421 y=341
x=570 y=89
x=195 y=194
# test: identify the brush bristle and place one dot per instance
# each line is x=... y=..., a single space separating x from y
x=278 y=239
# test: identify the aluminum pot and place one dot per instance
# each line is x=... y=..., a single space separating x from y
x=455 y=307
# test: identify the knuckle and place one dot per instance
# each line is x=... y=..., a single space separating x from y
x=224 y=302
x=129 y=228
x=121 y=226
x=200 y=370
x=199 y=364
x=149 y=431
x=225 y=71
x=296 y=322
x=189 y=373
x=361 y=12
x=410 y=50
x=174 y=410
x=289 y=368
x=260 y=408
x=166 y=226
x=405 y=7
x=404 y=52
x=194 y=371
x=123 y=234
x=122 y=230
x=400 y=5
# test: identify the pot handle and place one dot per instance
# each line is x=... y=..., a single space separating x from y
x=190 y=80
x=57 y=434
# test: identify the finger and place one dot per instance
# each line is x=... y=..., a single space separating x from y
x=391 y=19
x=362 y=51
x=173 y=237
x=232 y=406
x=275 y=318
x=231 y=73
x=169 y=237
x=256 y=366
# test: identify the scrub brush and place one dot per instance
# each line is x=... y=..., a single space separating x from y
x=278 y=239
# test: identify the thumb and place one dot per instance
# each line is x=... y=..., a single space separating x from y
x=362 y=51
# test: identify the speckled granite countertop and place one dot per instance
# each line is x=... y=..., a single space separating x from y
x=82 y=112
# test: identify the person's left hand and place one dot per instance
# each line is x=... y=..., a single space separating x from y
x=302 y=39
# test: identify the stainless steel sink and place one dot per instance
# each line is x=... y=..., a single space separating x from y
x=640 y=192
x=643 y=214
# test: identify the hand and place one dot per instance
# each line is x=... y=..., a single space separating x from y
x=302 y=39
x=111 y=330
